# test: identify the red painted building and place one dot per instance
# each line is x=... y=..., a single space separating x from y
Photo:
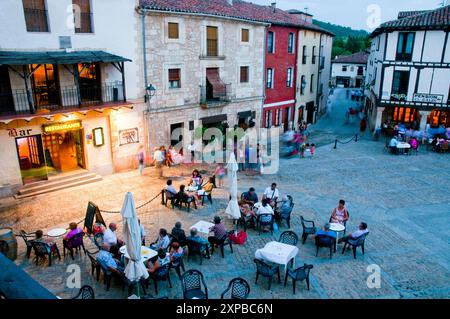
x=280 y=75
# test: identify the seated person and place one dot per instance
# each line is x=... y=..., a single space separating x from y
x=162 y=242
x=250 y=197
x=184 y=197
x=195 y=237
x=285 y=208
x=196 y=179
x=265 y=209
x=350 y=238
x=219 y=232
x=339 y=214
x=39 y=237
x=325 y=231
x=414 y=144
x=105 y=258
x=170 y=189
x=207 y=188
x=393 y=145
x=110 y=238
x=271 y=194
x=179 y=234
x=74 y=230
x=162 y=260
x=176 y=251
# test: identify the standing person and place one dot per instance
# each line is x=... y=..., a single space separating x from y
x=362 y=126
x=312 y=150
x=191 y=148
x=158 y=160
x=219 y=173
x=168 y=155
x=141 y=158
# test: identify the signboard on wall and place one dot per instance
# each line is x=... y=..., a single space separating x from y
x=65 y=126
x=129 y=136
x=428 y=98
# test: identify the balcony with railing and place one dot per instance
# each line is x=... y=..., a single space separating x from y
x=211 y=97
x=47 y=100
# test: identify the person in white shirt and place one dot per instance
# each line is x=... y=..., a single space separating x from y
x=110 y=238
x=265 y=208
x=162 y=242
x=362 y=230
x=142 y=232
x=191 y=149
x=158 y=157
x=393 y=145
x=271 y=194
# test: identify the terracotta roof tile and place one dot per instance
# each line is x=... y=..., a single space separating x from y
x=432 y=19
x=238 y=10
x=356 y=58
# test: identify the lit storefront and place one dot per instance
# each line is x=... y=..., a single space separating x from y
x=439 y=118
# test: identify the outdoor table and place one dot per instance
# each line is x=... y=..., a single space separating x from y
x=337 y=228
x=278 y=253
x=146 y=253
x=56 y=232
x=202 y=227
x=405 y=147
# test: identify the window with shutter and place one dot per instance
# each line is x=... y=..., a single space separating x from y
x=82 y=16
x=244 y=74
x=212 y=41
x=245 y=37
x=174 y=78
x=173 y=30
x=35 y=15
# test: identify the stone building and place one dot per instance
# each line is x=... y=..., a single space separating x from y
x=349 y=70
x=206 y=61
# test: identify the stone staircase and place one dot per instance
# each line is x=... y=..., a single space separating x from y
x=58 y=182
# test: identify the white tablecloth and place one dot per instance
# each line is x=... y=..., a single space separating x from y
x=277 y=253
x=403 y=145
x=146 y=253
x=56 y=232
x=337 y=227
x=202 y=227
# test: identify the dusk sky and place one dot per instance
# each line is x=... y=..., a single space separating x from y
x=353 y=13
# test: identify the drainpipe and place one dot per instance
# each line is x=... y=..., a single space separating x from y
x=264 y=76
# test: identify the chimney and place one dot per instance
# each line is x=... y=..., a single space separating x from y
x=230 y=2
x=274 y=6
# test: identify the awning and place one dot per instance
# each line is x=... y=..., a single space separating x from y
x=57 y=57
x=219 y=88
x=214 y=119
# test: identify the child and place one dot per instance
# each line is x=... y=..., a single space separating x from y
x=312 y=150
x=308 y=150
x=220 y=174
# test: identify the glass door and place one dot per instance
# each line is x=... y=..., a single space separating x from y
x=31 y=158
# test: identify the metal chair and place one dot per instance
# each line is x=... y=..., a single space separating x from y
x=196 y=248
x=288 y=237
x=355 y=243
x=192 y=282
x=43 y=250
x=264 y=220
x=86 y=292
x=265 y=270
x=309 y=228
x=240 y=289
x=299 y=274
x=327 y=242
x=95 y=266
x=4 y=248
x=74 y=243
x=161 y=274
x=168 y=196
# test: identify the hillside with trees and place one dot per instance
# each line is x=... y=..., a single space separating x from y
x=347 y=40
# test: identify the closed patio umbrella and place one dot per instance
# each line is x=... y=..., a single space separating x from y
x=135 y=269
x=233 y=207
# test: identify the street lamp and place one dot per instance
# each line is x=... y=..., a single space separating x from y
x=150 y=92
